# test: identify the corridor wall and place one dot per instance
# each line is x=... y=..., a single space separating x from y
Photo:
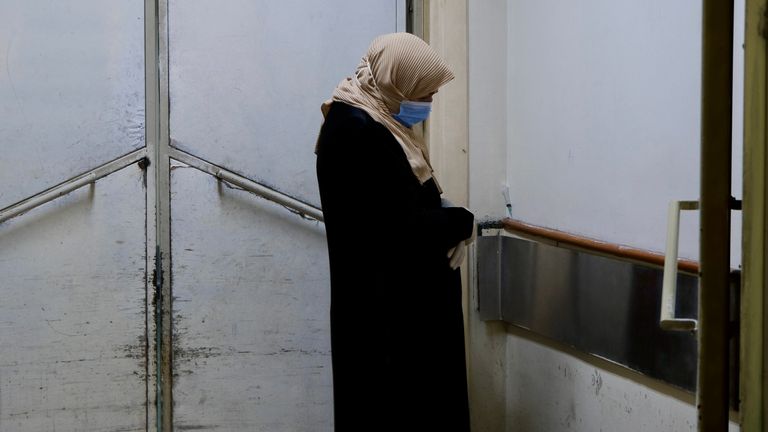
x=589 y=114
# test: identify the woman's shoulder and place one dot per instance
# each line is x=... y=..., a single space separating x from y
x=350 y=134
x=348 y=125
x=350 y=116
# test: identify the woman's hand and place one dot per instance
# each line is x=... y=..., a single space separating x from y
x=456 y=254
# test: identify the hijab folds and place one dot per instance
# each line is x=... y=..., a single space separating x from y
x=397 y=67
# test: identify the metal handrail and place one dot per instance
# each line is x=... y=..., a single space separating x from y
x=266 y=192
x=70 y=185
x=293 y=204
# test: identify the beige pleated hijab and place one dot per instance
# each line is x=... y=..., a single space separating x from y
x=397 y=67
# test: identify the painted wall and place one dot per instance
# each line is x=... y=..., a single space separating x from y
x=487 y=117
x=603 y=122
x=548 y=390
x=594 y=110
x=487 y=40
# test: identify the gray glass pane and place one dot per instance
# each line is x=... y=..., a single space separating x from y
x=247 y=79
x=72 y=315
x=251 y=312
x=71 y=89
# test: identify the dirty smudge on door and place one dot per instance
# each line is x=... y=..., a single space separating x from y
x=251 y=312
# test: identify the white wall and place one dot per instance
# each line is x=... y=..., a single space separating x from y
x=594 y=109
x=487 y=40
x=603 y=118
x=487 y=106
x=549 y=390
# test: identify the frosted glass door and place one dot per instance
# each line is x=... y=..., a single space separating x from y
x=71 y=89
x=250 y=278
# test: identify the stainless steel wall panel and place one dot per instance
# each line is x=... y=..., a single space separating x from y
x=72 y=314
x=251 y=300
x=599 y=305
x=71 y=89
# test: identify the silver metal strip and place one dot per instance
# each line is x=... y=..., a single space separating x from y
x=293 y=204
x=68 y=186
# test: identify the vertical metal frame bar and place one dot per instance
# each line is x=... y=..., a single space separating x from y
x=159 y=374
x=417 y=14
x=753 y=384
x=716 y=112
x=151 y=83
x=414 y=21
x=758 y=60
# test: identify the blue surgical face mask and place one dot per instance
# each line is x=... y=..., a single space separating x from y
x=412 y=112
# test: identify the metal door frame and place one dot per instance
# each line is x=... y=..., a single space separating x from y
x=715 y=206
x=158 y=217
x=754 y=328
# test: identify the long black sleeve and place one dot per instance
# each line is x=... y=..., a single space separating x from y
x=365 y=177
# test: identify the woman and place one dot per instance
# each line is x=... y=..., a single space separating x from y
x=396 y=320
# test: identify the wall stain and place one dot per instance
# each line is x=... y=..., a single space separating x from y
x=182 y=427
x=181 y=353
x=597 y=381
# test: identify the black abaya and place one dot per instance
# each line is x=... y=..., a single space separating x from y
x=397 y=333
